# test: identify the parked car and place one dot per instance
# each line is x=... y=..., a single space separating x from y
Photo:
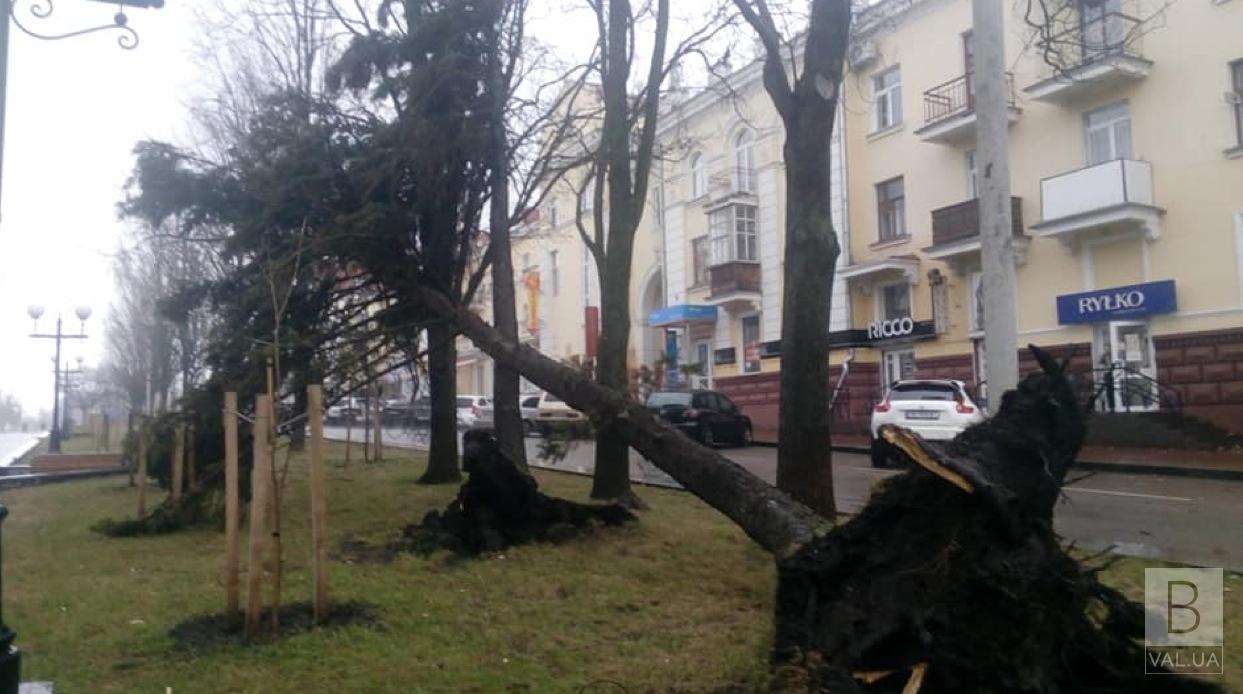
x=937 y=410
x=528 y=406
x=469 y=407
x=398 y=412
x=552 y=410
x=347 y=409
x=705 y=415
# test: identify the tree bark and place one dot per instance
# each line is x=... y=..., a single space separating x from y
x=507 y=414
x=442 y=455
x=769 y=517
x=807 y=109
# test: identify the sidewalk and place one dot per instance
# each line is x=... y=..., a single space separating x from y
x=1223 y=465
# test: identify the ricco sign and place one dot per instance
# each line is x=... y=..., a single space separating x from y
x=897 y=327
x=1117 y=303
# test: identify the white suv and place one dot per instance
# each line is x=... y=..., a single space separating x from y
x=936 y=410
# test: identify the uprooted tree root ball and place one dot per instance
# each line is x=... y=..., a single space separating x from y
x=500 y=505
x=951 y=579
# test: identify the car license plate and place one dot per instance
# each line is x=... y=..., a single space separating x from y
x=923 y=414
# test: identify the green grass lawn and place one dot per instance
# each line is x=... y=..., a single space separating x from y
x=680 y=601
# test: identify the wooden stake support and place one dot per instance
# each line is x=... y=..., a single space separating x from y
x=232 y=611
x=179 y=456
x=319 y=510
x=259 y=478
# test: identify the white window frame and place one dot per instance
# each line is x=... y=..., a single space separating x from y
x=879 y=305
x=1109 y=126
x=734 y=237
x=697 y=267
x=699 y=176
x=554 y=275
x=744 y=162
x=886 y=100
x=975 y=311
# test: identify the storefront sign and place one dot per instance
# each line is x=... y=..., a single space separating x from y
x=898 y=327
x=682 y=313
x=883 y=332
x=1117 y=303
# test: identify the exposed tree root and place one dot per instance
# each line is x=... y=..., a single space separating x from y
x=500 y=505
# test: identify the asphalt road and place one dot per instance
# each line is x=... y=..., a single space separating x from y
x=1181 y=519
x=14 y=444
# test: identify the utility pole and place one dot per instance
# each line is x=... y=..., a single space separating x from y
x=992 y=91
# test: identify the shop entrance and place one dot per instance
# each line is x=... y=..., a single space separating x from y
x=1125 y=366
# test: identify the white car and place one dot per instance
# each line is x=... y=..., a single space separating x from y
x=469 y=408
x=553 y=410
x=528 y=405
x=935 y=409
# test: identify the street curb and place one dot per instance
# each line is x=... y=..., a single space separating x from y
x=1126 y=468
x=35 y=479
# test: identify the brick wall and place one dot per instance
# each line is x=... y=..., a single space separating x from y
x=1206 y=370
x=758 y=396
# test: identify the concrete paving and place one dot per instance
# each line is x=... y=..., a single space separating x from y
x=1180 y=519
x=15 y=444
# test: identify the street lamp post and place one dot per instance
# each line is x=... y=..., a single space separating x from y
x=83 y=312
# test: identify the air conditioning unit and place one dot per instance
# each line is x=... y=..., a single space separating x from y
x=862 y=53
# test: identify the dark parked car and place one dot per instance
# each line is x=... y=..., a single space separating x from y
x=704 y=415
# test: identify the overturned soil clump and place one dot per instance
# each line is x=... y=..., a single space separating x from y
x=952 y=579
x=206 y=632
x=500 y=505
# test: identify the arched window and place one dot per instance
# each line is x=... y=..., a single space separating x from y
x=699 y=175
x=744 y=163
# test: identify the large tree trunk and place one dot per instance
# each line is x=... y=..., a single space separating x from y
x=773 y=520
x=807 y=109
x=442 y=455
x=612 y=473
x=510 y=433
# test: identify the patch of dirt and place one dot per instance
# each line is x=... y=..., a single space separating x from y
x=353 y=550
x=207 y=632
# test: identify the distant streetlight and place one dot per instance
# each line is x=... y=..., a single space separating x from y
x=83 y=312
x=42 y=9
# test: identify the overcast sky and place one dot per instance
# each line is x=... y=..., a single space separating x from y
x=75 y=109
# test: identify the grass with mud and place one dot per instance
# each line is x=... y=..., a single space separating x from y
x=681 y=600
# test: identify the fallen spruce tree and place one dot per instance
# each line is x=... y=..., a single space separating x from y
x=501 y=505
x=951 y=579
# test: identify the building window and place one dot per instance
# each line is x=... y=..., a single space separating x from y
x=744 y=165
x=895 y=301
x=699 y=260
x=751 y=344
x=732 y=230
x=1107 y=133
x=975 y=301
x=887 y=98
x=891 y=209
x=1101 y=28
x=552 y=213
x=898 y=365
x=699 y=176
x=973 y=184
x=554 y=275
x=1236 y=78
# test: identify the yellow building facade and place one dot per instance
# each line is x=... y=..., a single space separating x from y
x=1127 y=186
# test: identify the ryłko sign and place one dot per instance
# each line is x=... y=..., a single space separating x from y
x=1117 y=303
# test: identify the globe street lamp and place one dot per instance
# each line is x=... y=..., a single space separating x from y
x=83 y=312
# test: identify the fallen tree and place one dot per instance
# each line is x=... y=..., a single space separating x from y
x=951 y=579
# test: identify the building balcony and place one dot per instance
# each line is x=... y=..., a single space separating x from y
x=1112 y=197
x=949 y=111
x=1091 y=57
x=956 y=233
x=734 y=285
